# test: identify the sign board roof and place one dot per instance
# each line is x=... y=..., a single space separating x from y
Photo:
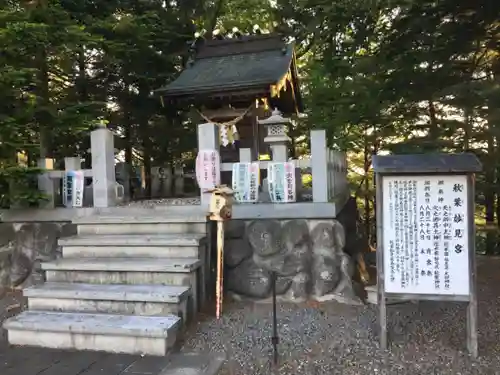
x=427 y=163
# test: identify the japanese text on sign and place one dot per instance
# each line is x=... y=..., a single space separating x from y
x=425 y=232
x=246 y=180
x=208 y=169
x=281 y=179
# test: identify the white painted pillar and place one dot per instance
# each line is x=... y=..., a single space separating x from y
x=245 y=155
x=208 y=139
x=72 y=164
x=319 y=165
x=47 y=185
x=103 y=168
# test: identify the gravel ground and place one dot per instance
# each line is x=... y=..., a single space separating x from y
x=427 y=338
x=330 y=338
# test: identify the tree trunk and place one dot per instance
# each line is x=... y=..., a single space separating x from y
x=367 y=186
x=43 y=115
x=489 y=196
x=144 y=130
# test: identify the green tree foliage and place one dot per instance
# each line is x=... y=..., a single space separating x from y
x=379 y=75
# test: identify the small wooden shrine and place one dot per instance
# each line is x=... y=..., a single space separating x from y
x=232 y=82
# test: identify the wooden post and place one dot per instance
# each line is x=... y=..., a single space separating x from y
x=220 y=209
x=381 y=300
x=472 y=341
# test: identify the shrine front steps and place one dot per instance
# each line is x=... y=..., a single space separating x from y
x=102 y=332
x=130 y=271
x=190 y=245
x=119 y=282
x=141 y=300
x=160 y=222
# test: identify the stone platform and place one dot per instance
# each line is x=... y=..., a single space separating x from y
x=34 y=361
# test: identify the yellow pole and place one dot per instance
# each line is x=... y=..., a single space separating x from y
x=220 y=268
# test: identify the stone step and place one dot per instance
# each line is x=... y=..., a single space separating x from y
x=144 y=300
x=100 y=332
x=167 y=265
x=134 y=245
x=129 y=271
x=142 y=224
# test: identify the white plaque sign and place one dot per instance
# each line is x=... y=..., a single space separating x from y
x=426 y=235
x=208 y=169
x=245 y=182
x=78 y=188
x=281 y=180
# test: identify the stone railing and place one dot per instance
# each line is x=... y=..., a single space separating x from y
x=105 y=190
x=328 y=167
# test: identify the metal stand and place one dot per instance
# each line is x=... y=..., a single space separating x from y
x=275 y=338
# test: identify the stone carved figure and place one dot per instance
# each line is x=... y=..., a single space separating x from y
x=25 y=247
x=326 y=257
x=307 y=256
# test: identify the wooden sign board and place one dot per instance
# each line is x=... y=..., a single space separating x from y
x=426 y=233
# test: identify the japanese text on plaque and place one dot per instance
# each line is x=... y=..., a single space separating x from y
x=425 y=233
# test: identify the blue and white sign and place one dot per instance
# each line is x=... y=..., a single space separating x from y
x=245 y=182
x=73 y=186
x=281 y=180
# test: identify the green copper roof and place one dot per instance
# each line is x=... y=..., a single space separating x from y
x=224 y=66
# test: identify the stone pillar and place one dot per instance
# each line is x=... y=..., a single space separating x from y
x=72 y=164
x=179 y=180
x=161 y=181
x=103 y=168
x=122 y=173
x=208 y=139
x=47 y=185
x=245 y=155
x=319 y=166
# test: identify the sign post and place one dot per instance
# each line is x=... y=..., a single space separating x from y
x=426 y=233
x=221 y=204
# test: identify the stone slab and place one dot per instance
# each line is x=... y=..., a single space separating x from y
x=158 y=346
x=181 y=240
x=107 y=292
x=194 y=364
x=170 y=265
x=141 y=219
x=68 y=214
x=139 y=308
x=105 y=251
x=299 y=210
x=94 y=324
x=31 y=361
x=138 y=227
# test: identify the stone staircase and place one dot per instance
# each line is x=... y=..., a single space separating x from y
x=125 y=284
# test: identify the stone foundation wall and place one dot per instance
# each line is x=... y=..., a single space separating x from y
x=312 y=258
x=23 y=246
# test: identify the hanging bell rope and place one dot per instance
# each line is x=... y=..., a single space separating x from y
x=227 y=130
